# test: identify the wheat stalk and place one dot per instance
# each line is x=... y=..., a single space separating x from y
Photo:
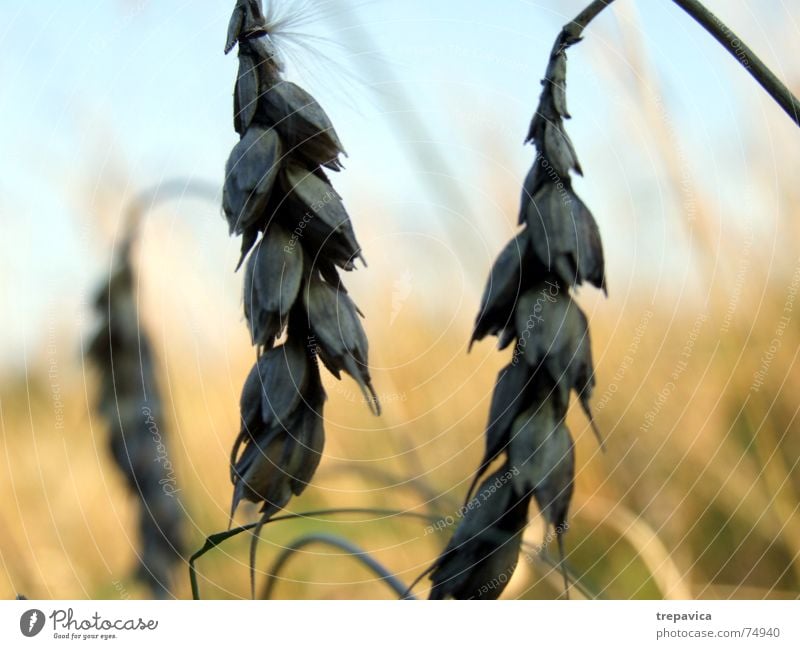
x=297 y=233
x=527 y=301
x=130 y=402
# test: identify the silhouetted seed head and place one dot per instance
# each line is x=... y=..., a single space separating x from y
x=315 y=207
x=276 y=189
x=542 y=449
x=527 y=299
x=281 y=440
x=519 y=387
x=274 y=389
x=563 y=232
x=130 y=402
x=554 y=336
x=483 y=553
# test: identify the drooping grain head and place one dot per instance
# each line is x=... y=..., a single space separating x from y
x=296 y=235
x=527 y=302
x=130 y=402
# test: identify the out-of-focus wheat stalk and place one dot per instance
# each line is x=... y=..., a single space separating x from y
x=130 y=402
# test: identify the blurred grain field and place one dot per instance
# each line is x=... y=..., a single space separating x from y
x=696 y=350
x=696 y=496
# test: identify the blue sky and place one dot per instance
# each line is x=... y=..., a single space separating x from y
x=121 y=95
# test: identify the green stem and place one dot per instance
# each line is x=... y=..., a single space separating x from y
x=342 y=544
x=742 y=53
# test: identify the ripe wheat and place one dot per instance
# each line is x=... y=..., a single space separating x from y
x=130 y=402
x=296 y=234
x=527 y=301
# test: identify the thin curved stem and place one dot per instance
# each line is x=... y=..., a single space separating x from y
x=537 y=554
x=342 y=544
x=170 y=189
x=574 y=28
x=765 y=77
x=746 y=57
x=216 y=539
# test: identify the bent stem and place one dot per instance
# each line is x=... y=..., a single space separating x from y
x=174 y=188
x=574 y=29
x=538 y=556
x=735 y=46
x=746 y=57
x=216 y=539
x=351 y=549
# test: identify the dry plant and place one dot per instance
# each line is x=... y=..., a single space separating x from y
x=130 y=402
x=297 y=234
x=527 y=302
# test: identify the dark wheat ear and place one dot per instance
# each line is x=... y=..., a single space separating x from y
x=130 y=402
x=528 y=300
x=296 y=231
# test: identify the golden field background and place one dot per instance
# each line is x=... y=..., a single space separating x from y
x=696 y=495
